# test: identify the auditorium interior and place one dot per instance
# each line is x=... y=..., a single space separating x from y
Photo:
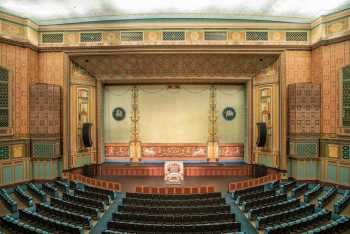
x=168 y=117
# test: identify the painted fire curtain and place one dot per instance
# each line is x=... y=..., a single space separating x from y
x=177 y=114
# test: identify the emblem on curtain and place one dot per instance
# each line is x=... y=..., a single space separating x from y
x=118 y=114
x=229 y=113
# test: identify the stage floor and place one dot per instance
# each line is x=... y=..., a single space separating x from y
x=129 y=183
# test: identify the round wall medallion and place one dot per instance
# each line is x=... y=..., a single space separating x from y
x=229 y=113
x=118 y=114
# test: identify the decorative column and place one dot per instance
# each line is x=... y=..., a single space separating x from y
x=213 y=146
x=135 y=144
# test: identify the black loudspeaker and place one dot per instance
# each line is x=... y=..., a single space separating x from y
x=262 y=132
x=87 y=134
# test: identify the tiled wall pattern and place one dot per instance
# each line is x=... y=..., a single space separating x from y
x=304 y=108
x=45 y=114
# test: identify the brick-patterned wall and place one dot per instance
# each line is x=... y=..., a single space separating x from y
x=316 y=65
x=304 y=108
x=45 y=110
x=298 y=67
x=22 y=65
x=327 y=63
x=51 y=68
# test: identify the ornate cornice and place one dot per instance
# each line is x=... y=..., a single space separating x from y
x=324 y=30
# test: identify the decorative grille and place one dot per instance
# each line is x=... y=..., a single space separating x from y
x=43 y=150
x=90 y=37
x=131 y=36
x=296 y=36
x=173 y=36
x=346 y=96
x=52 y=38
x=307 y=149
x=4 y=152
x=4 y=96
x=256 y=36
x=346 y=152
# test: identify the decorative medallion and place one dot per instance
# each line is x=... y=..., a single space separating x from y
x=195 y=36
x=118 y=114
x=229 y=113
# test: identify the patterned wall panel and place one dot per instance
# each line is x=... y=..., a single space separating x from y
x=332 y=173
x=154 y=151
x=46 y=169
x=304 y=108
x=19 y=173
x=117 y=151
x=231 y=152
x=345 y=121
x=45 y=114
x=345 y=152
x=303 y=169
x=344 y=175
x=304 y=149
x=298 y=67
x=4 y=152
x=7 y=175
x=334 y=57
x=45 y=149
x=4 y=98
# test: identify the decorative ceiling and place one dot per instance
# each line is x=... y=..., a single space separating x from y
x=70 y=11
x=163 y=66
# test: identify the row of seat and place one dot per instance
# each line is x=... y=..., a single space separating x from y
x=116 y=232
x=49 y=224
x=300 y=224
x=288 y=215
x=327 y=197
x=313 y=193
x=270 y=209
x=264 y=201
x=299 y=189
x=75 y=208
x=64 y=215
x=50 y=189
x=339 y=225
x=84 y=201
x=174 y=228
x=101 y=191
x=249 y=197
x=92 y=195
x=13 y=225
x=24 y=196
x=340 y=205
x=155 y=202
x=38 y=192
x=62 y=185
x=288 y=186
x=247 y=191
x=175 y=210
x=174 y=219
x=8 y=200
x=173 y=197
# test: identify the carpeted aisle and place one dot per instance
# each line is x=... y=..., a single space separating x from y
x=101 y=225
x=246 y=226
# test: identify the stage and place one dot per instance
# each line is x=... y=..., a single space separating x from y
x=128 y=176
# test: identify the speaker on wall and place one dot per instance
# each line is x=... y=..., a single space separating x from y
x=87 y=134
x=262 y=132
